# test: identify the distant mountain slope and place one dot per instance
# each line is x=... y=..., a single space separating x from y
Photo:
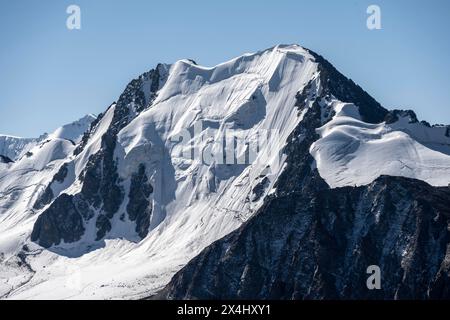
x=15 y=147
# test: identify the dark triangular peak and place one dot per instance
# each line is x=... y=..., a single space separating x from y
x=346 y=90
x=137 y=96
x=393 y=116
x=5 y=159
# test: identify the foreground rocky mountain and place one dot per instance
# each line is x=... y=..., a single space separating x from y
x=323 y=181
x=319 y=245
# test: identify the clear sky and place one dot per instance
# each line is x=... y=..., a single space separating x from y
x=50 y=75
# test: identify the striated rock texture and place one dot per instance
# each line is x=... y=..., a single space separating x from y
x=318 y=246
x=138 y=207
x=312 y=242
x=62 y=221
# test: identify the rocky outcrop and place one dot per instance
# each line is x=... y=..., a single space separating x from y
x=319 y=245
x=5 y=159
x=344 y=89
x=101 y=187
x=260 y=188
x=393 y=116
x=47 y=195
x=139 y=204
x=93 y=126
x=62 y=221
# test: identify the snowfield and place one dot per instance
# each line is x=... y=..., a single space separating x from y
x=351 y=152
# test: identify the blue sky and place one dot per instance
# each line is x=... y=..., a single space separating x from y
x=50 y=75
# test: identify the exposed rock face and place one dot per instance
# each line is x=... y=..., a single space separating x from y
x=88 y=133
x=138 y=207
x=259 y=189
x=319 y=245
x=312 y=242
x=101 y=187
x=346 y=90
x=5 y=159
x=62 y=221
x=47 y=196
x=393 y=116
x=103 y=226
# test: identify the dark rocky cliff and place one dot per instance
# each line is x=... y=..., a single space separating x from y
x=319 y=245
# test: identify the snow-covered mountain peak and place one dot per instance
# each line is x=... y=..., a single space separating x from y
x=132 y=177
x=75 y=130
x=16 y=147
x=262 y=67
x=149 y=182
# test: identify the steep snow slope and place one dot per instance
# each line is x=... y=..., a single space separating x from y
x=20 y=184
x=40 y=158
x=194 y=200
x=351 y=152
